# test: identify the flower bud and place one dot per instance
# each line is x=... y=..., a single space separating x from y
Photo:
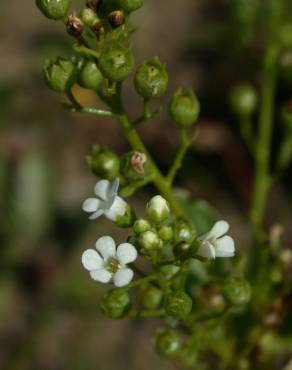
x=116 y=304
x=243 y=100
x=116 y=18
x=151 y=79
x=183 y=232
x=89 y=76
x=116 y=62
x=59 y=75
x=178 y=304
x=93 y=4
x=74 y=25
x=184 y=108
x=237 y=291
x=167 y=343
x=158 y=209
x=165 y=233
x=149 y=241
x=135 y=166
x=54 y=9
x=182 y=251
x=127 y=219
x=88 y=16
x=167 y=272
x=128 y=5
x=141 y=225
x=103 y=163
x=150 y=296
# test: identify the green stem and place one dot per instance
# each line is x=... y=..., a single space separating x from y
x=185 y=144
x=245 y=124
x=262 y=180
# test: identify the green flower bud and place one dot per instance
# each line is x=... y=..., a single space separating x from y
x=128 y=219
x=165 y=233
x=116 y=304
x=128 y=5
x=88 y=16
x=243 y=100
x=183 y=233
x=150 y=296
x=182 y=251
x=184 y=108
x=158 y=209
x=141 y=225
x=116 y=18
x=135 y=166
x=167 y=272
x=89 y=76
x=103 y=163
x=116 y=62
x=59 y=75
x=54 y=9
x=149 y=240
x=237 y=291
x=151 y=79
x=178 y=304
x=167 y=343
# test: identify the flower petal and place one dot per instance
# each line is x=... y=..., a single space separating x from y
x=206 y=250
x=123 y=277
x=106 y=247
x=117 y=209
x=101 y=189
x=102 y=275
x=113 y=191
x=126 y=253
x=91 y=260
x=90 y=205
x=219 y=229
x=96 y=214
x=224 y=247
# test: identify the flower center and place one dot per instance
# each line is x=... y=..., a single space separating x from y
x=112 y=265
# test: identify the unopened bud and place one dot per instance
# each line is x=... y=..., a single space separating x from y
x=135 y=166
x=151 y=79
x=54 y=9
x=94 y=4
x=103 y=163
x=149 y=241
x=158 y=209
x=178 y=304
x=74 y=25
x=182 y=251
x=88 y=17
x=141 y=225
x=60 y=75
x=237 y=291
x=116 y=62
x=116 y=18
x=167 y=343
x=116 y=304
x=243 y=100
x=184 y=108
x=165 y=233
x=150 y=296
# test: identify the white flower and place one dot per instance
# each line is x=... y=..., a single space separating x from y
x=215 y=243
x=107 y=201
x=108 y=263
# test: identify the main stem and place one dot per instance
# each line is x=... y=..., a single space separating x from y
x=262 y=180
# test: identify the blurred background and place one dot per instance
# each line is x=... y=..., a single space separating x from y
x=49 y=315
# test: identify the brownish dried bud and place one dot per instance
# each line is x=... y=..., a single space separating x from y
x=74 y=25
x=116 y=18
x=137 y=161
x=94 y=4
x=98 y=29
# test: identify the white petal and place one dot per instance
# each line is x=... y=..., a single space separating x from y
x=106 y=247
x=118 y=208
x=90 y=205
x=102 y=189
x=224 y=247
x=219 y=229
x=91 y=260
x=206 y=250
x=126 y=253
x=114 y=188
x=96 y=214
x=102 y=275
x=123 y=277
